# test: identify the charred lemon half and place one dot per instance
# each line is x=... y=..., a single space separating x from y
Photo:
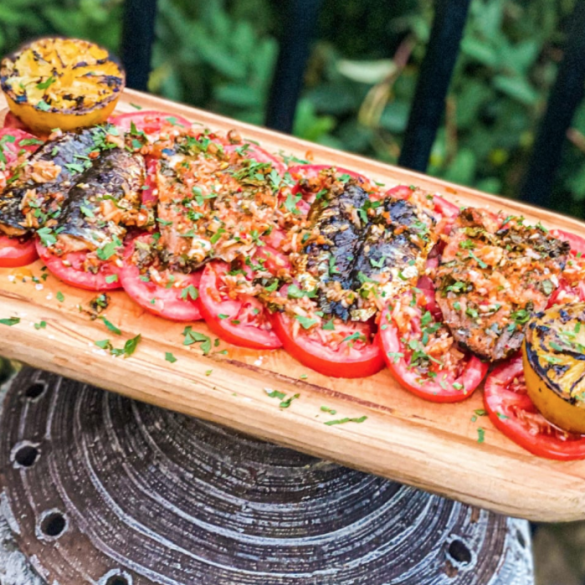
x=61 y=83
x=554 y=365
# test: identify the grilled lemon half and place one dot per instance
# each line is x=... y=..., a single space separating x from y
x=61 y=83
x=554 y=365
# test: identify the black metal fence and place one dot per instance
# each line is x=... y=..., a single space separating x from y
x=429 y=101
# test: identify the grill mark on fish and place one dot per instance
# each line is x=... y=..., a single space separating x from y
x=371 y=260
x=492 y=280
x=48 y=195
x=341 y=229
x=105 y=199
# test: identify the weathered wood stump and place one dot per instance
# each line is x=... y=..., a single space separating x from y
x=102 y=489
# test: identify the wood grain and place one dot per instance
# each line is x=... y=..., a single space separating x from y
x=431 y=446
x=151 y=496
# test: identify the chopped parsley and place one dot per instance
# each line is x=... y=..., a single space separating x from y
x=60 y=296
x=328 y=410
x=111 y=326
x=342 y=421
x=10 y=321
x=189 y=292
x=41 y=325
x=192 y=337
x=169 y=357
x=305 y=322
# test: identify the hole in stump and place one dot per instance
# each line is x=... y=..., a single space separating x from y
x=26 y=456
x=459 y=552
x=521 y=539
x=53 y=524
x=35 y=390
x=117 y=580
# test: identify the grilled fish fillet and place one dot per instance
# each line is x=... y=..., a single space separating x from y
x=41 y=186
x=105 y=199
x=493 y=278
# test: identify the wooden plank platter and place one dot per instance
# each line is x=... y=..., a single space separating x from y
x=432 y=446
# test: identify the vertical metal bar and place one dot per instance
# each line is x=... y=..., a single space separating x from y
x=566 y=95
x=299 y=26
x=137 y=40
x=433 y=82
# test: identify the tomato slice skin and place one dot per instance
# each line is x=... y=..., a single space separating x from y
x=168 y=302
x=502 y=405
x=15 y=252
x=75 y=275
x=394 y=353
x=324 y=360
x=214 y=304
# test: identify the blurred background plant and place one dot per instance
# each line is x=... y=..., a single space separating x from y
x=220 y=55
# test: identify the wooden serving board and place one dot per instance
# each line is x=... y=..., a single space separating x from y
x=428 y=445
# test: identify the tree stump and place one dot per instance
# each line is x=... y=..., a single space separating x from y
x=101 y=489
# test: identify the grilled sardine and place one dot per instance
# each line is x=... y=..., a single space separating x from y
x=493 y=278
x=104 y=200
x=39 y=188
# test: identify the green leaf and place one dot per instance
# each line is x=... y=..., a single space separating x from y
x=517 y=88
x=170 y=357
x=131 y=345
x=10 y=321
x=111 y=326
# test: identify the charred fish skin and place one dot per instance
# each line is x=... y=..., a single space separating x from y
x=104 y=200
x=42 y=184
x=493 y=278
x=331 y=259
x=395 y=247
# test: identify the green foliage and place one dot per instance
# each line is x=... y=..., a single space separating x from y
x=220 y=55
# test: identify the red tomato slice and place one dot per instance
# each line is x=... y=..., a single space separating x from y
x=454 y=378
x=512 y=412
x=74 y=273
x=151 y=122
x=16 y=252
x=344 y=361
x=11 y=148
x=242 y=321
x=11 y=121
x=174 y=303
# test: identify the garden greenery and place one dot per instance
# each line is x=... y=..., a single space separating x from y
x=220 y=55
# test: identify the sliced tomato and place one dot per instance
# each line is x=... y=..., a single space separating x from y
x=70 y=269
x=17 y=252
x=242 y=320
x=342 y=360
x=174 y=301
x=11 y=148
x=512 y=412
x=11 y=121
x=419 y=353
x=151 y=122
